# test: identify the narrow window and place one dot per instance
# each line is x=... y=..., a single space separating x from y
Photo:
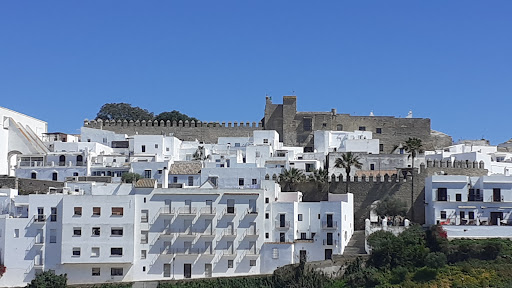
x=33 y=175
x=307 y=124
x=378 y=130
x=458 y=197
x=54 y=176
x=300 y=217
x=53 y=235
x=143 y=254
x=144 y=216
x=53 y=215
x=147 y=173
x=381 y=147
x=240 y=181
x=190 y=180
x=143 y=148
x=372 y=166
x=443 y=214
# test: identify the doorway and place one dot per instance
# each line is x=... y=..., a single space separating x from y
x=187 y=270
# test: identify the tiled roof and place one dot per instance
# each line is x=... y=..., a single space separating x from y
x=145 y=183
x=186 y=168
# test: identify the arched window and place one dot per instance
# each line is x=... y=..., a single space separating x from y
x=79 y=160
x=54 y=176
x=339 y=127
x=274 y=177
x=267 y=177
x=62 y=160
x=33 y=175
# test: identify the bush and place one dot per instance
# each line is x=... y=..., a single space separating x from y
x=130 y=177
x=398 y=275
x=425 y=274
x=48 y=279
x=435 y=260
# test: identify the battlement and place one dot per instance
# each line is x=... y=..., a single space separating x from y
x=99 y=124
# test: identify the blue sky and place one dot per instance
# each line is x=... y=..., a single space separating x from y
x=450 y=61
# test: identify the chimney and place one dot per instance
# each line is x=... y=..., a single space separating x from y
x=165 y=182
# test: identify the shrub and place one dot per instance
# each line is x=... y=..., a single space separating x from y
x=425 y=274
x=130 y=177
x=435 y=260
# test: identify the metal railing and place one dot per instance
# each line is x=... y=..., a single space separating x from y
x=282 y=224
x=251 y=232
x=228 y=232
x=187 y=211
x=208 y=210
x=330 y=242
x=329 y=224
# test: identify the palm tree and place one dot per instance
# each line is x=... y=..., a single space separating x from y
x=290 y=178
x=320 y=177
x=413 y=146
x=346 y=161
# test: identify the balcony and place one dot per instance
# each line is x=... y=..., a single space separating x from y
x=252 y=252
x=251 y=232
x=166 y=251
x=186 y=251
x=185 y=232
x=249 y=211
x=208 y=211
x=229 y=211
x=229 y=253
x=329 y=225
x=187 y=211
x=40 y=218
x=282 y=225
x=228 y=232
x=167 y=233
x=330 y=242
x=207 y=233
x=208 y=252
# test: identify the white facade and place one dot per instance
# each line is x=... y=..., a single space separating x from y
x=470 y=206
x=115 y=232
x=344 y=141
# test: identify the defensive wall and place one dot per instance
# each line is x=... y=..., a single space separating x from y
x=294 y=128
x=29 y=186
x=207 y=132
x=367 y=190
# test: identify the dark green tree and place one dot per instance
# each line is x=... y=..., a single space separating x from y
x=174 y=115
x=289 y=178
x=48 y=279
x=391 y=207
x=123 y=111
x=130 y=177
x=346 y=162
x=413 y=146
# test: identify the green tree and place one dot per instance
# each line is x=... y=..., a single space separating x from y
x=391 y=207
x=123 y=111
x=174 y=115
x=289 y=178
x=48 y=279
x=413 y=146
x=130 y=177
x=200 y=153
x=346 y=162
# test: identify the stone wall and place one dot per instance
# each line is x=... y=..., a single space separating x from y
x=370 y=189
x=8 y=182
x=34 y=186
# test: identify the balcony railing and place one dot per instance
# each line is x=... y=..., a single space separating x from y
x=329 y=224
x=329 y=242
x=185 y=232
x=186 y=251
x=282 y=224
x=249 y=211
x=231 y=211
x=252 y=252
x=228 y=252
x=251 y=232
x=40 y=218
x=187 y=211
x=208 y=211
x=228 y=232
x=207 y=233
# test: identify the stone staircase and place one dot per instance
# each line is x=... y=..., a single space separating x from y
x=355 y=246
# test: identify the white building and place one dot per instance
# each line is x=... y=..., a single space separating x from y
x=344 y=141
x=20 y=134
x=470 y=207
x=119 y=232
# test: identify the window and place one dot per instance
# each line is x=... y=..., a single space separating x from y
x=54 y=176
x=230 y=263
x=252 y=263
x=300 y=217
x=53 y=215
x=496 y=195
x=265 y=141
x=442 y=194
x=378 y=131
x=117 y=211
x=275 y=253
x=95 y=231
x=267 y=200
x=143 y=268
x=324 y=125
x=267 y=235
x=116 y=271
x=147 y=173
x=303 y=236
x=443 y=214
x=462 y=215
x=372 y=166
x=160 y=171
x=95 y=271
x=254 y=181
x=77 y=231
x=16 y=233
x=33 y=175
x=381 y=147
x=267 y=216
x=76 y=251
x=142 y=254
x=240 y=181
x=77 y=211
x=174 y=179
x=143 y=148
x=339 y=127
x=116 y=232
x=190 y=180
x=471 y=215
x=237 y=144
x=156 y=146
x=458 y=197
x=231 y=206
x=144 y=216
x=308 y=149
x=144 y=237
x=96 y=211
x=307 y=124
x=53 y=235
x=362 y=128
x=313 y=235
x=475 y=195
x=95 y=252
x=116 y=251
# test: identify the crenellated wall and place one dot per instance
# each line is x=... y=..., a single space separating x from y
x=208 y=132
x=367 y=190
